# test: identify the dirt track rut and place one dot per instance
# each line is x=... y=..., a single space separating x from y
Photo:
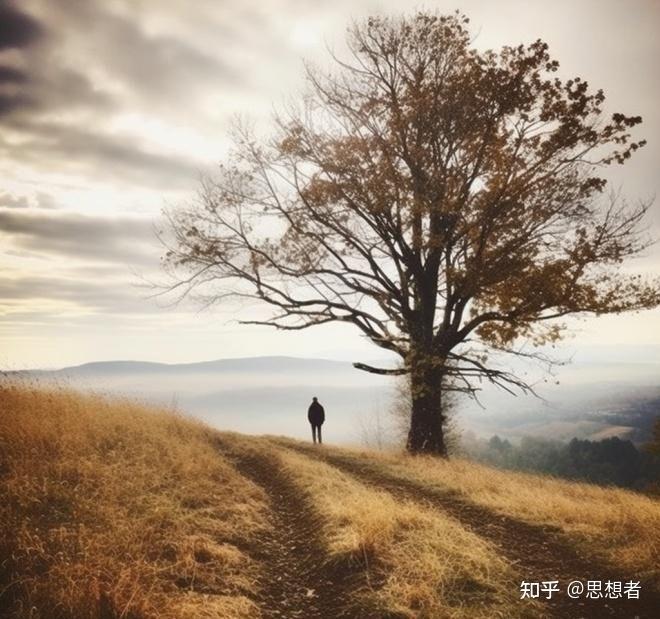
x=540 y=553
x=297 y=579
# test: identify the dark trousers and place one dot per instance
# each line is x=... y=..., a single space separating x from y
x=316 y=429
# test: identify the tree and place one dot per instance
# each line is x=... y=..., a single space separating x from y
x=653 y=446
x=445 y=201
x=399 y=413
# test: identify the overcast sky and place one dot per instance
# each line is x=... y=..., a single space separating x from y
x=112 y=109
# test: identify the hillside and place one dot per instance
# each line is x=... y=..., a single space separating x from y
x=112 y=509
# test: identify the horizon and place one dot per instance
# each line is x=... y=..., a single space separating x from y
x=592 y=354
x=269 y=395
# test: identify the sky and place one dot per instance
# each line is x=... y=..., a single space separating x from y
x=111 y=110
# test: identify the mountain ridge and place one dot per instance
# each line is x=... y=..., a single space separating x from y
x=220 y=363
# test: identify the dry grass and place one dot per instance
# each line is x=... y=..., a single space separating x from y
x=621 y=526
x=112 y=510
x=430 y=565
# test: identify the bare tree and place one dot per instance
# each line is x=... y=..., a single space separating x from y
x=445 y=201
x=376 y=431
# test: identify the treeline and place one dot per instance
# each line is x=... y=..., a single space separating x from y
x=610 y=461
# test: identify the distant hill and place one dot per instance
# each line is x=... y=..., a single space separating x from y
x=279 y=364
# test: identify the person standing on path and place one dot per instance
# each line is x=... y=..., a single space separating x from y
x=316 y=417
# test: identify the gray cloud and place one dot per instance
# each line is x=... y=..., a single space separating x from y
x=105 y=156
x=91 y=40
x=59 y=88
x=92 y=295
x=88 y=66
x=11 y=75
x=12 y=102
x=125 y=240
x=45 y=200
x=161 y=69
x=10 y=201
x=41 y=200
x=16 y=28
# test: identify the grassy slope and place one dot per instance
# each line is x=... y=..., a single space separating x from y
x=111 y=508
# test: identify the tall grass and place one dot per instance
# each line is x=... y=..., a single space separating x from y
x=112 y=510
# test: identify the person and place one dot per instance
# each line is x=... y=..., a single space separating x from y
x=316 y=416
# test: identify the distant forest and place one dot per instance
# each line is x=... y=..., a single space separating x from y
x=610 y=461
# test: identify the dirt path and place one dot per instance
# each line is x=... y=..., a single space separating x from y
x=298 y=580
x=540 y=553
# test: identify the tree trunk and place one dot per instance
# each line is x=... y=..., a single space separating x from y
x=426 y=435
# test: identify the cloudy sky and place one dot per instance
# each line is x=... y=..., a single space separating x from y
x=112 y=109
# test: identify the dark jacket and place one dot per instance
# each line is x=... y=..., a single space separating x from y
x=316 y=414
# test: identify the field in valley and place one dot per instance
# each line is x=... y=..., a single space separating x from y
x=111 y=509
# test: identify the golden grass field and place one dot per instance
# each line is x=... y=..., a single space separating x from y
x=111 y=509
